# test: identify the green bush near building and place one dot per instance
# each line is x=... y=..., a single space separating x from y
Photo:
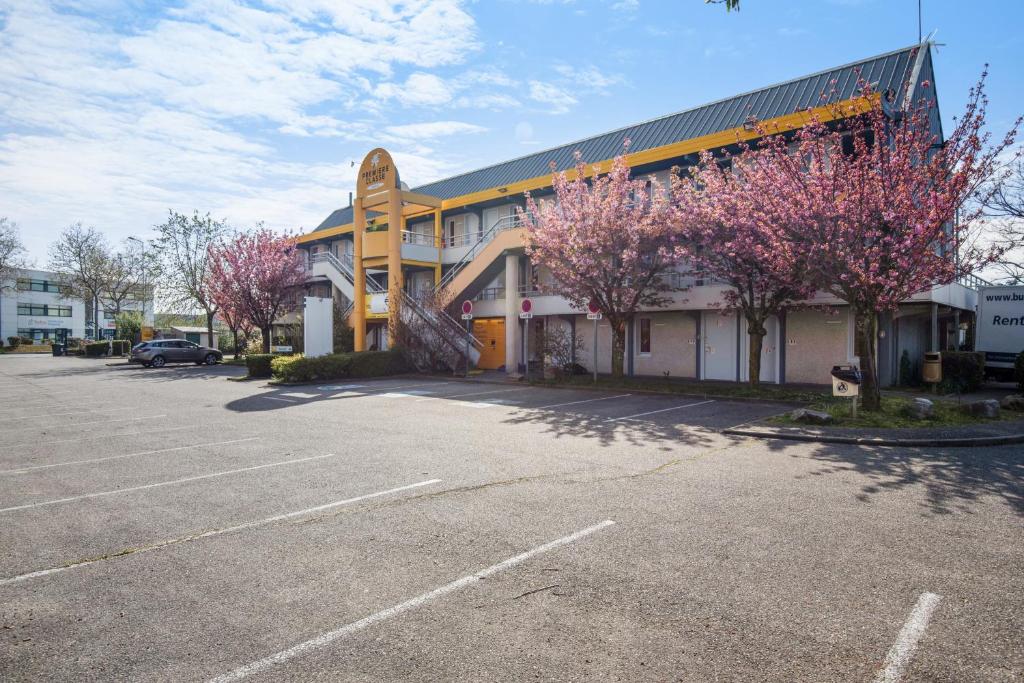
x=1018 y=371
x=258 y=364
x=120 y=347
x=963 y=372
x=340 y=366
x=96 y=349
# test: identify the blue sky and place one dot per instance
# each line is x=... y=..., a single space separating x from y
x=112 y=111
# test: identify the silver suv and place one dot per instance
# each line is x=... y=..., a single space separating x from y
x=156 y=354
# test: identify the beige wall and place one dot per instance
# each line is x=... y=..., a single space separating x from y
x=673 y=346
x=813 y=345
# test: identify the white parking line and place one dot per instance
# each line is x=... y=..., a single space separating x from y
x=348 y=629
x=663 y=410
x=98 y=436
x=214 y=532
x=278 y=398
x=475 y=393
x=906 y=642
x=93 y=422
x=22 y=470
x=572 y=403
x=163 y=483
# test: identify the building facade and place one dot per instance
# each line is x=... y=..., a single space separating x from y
x=35 y=306
x=460 y=239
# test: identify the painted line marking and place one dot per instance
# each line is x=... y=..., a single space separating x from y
x=299 y=394
x=402 y=607
x=663 y=410
x=475 y=393
x=409 y=393
x=99 y=436
x=906 y=642
x=93 y=422
x=572 y=403
x=84 y=411
x=341 y=387
x=22 y=470
x=164 y=483
x=214 y=532
x=278 y=398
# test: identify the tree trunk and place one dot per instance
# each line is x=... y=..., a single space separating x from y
x=871 y=397
x=757 y=332
x=618 y=347
x=266 y=338
x=209 y=329
x=234 y=335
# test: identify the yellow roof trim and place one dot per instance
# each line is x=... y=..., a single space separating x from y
x=676 y=149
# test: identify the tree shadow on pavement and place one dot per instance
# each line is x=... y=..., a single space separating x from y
x=953 y=479
x=633 y=432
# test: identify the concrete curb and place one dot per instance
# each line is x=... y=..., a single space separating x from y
x=959 y=442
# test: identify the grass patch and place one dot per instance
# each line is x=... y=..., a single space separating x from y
x=772 y=392
x=892 y=415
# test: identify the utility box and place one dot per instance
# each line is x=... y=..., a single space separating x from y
x=932 y=370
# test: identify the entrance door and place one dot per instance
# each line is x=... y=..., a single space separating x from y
x=720 y=346
x=490 y=331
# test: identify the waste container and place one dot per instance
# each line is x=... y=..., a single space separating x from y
x=59 y=349
x=932 y=370
x=846 y=380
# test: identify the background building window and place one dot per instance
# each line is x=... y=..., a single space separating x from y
x=44 y=310
x=645 y=335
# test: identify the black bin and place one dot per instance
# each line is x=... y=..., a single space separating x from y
x=847 y=373
x=59 y=349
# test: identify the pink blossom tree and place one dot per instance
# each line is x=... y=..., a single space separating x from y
x=259 y=271
x=225 y=294
x=730 y=239
x=875 y=203
x=607 y=240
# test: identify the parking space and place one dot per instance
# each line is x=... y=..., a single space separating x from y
x=435 y=529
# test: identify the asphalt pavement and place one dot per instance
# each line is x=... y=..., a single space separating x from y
x=168 y=524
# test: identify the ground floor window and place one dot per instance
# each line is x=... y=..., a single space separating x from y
x=645 y=335
x=39 y=336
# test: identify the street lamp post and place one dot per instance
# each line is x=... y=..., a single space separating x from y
x=142 y=248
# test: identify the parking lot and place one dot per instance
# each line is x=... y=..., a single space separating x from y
x=172 y=525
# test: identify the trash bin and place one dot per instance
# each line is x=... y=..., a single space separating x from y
x=932 y=370
x=59 y=349
x=847 y=373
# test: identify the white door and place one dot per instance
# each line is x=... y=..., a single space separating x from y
x=719 y=332
x=769 y=352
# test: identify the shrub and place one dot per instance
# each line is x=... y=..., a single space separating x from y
x=96 y=349
x=121 y=347
x=910 y=372
x=258 y=364
x=340 y=366
x=962 y=371
x=14 y=342
x=1018 y=370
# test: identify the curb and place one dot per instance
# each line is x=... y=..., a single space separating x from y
x=961 y=442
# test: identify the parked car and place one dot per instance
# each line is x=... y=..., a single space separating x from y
x=158 y=353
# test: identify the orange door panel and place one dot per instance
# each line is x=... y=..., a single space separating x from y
x=490 y=331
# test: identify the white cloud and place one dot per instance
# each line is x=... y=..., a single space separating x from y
x=418 y=90
x=434 y=129
x=557 y=99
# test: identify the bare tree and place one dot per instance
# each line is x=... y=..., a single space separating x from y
x=81 y=257
x=182 y=245
x=126 y=276
x=12 y=255
x=1005 y=204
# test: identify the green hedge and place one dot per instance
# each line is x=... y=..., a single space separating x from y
x=962 y=371
x=96 y=349
x=340 y=366
x=1018 y=371
x=259 y=364
x=121 y=347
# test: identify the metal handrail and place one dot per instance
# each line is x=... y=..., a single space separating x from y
x=972 y=281
x=441 y=317
x=502 y=224
x=409 y=237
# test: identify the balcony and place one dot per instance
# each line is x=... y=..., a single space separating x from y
x=415 y=246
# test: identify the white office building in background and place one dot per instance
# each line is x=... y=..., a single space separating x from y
x=33 y=306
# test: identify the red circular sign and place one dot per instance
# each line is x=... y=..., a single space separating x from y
x=467 y=306
x=526 y=306
x=593 y=307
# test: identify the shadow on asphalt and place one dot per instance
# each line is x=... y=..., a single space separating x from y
x=954 y=479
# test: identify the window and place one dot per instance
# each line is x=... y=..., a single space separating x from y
x=26 y=284
x=645 y=335
x=108 y=315
x=44 y=310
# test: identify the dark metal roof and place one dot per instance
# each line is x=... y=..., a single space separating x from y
x=884 y=72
